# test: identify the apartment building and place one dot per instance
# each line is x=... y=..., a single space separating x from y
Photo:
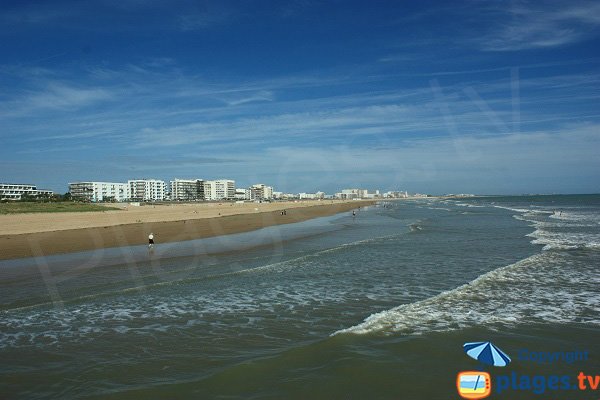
x=16 y=191
x=219 y=189
x=98 y=191
x=261 y=191
x=146 y=190
x=242 y=194
x=348 y=194
x=187 y=189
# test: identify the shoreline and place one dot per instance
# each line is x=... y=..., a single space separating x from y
x=61 y=241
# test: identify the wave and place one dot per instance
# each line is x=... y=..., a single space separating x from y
x=560 y=230
x=525 y=210
x=531 y=281
x=541 y=291
x=591 y=219
x=439 y=208
x=467 y=205
x=565 y=241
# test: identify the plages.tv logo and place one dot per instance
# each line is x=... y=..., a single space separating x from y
x=478 y=384
x=473 y=384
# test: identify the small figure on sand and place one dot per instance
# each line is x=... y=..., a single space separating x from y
x=151 y=239
x=353 y=214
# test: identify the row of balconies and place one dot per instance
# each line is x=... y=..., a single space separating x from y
x=17 y=187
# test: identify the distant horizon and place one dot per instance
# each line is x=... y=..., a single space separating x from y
x=433 y=98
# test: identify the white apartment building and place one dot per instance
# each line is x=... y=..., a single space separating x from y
x=187 y=189
x=268 y=192
x=307 y=196
x=396 y=194
x=242 y=194
x=146 y=190
x=348 y=194
x=375 y=195
x=98 y=191
x=311 y=196
x=261 y=191
x=15 y=191
x=284 y=196
x=219 y=189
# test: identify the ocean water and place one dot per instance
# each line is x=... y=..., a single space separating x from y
x=376 y=306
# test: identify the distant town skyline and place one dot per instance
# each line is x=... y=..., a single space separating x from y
x=152 y=190
x=464 y=97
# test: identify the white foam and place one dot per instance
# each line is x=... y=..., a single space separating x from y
x=524 y=292
x=560 y=230
x=468 y=205
x=439 y=208
x=524 y=210
x=553 y=240
x=591 y=219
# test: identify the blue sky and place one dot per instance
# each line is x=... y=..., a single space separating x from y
x=437 y=97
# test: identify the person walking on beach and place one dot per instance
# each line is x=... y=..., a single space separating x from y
x=353 y=214
x=151 y=239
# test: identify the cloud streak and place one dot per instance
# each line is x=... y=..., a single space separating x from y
x=531 y=26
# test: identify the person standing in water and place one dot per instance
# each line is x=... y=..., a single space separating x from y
x=151 y=239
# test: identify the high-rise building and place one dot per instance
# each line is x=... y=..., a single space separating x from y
x=261 y=191
x=220 y=189
x=98 y=191
x=146 y=190
x=348 y=194
x=187 y=189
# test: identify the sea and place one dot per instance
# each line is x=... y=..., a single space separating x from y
x=372 y=306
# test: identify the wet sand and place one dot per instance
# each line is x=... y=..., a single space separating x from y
x=33 y=235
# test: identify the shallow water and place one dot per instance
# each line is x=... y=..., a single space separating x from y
x=376 y=306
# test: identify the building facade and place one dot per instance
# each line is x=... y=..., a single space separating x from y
x=261 y=191
x=242 y=194
x=16 y=191
x=98 y=191
x=187 y=189
x=311 y=196
x=220 y=189
x=349 y=194
x=146 y=190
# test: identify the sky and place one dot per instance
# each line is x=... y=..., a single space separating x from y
x=433 y=97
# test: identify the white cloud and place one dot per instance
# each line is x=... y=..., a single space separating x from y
x=530 y=26
x=63 y=96
x=53 y=96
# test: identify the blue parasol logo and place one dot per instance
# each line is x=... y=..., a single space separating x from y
x=487 y=353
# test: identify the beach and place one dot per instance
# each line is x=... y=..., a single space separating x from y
x=42 y=234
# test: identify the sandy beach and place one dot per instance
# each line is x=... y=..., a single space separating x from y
x=41 y=234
